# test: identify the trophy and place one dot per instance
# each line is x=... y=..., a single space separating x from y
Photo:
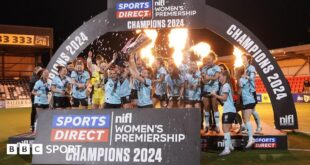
x=141 y=41
x=131 y=46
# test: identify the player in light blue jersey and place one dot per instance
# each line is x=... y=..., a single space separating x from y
x=40 y=92
x=175 y=87
x=210 y=74
x=112 y=91
x=250 y=75
x=134 y=82
x=184 y=67
x=160 y=84
x=229 y=110
x=61 y=89
x=144 y=84
x=125 y=91
x=192 y=87
x=80 y=80
x=248 y=103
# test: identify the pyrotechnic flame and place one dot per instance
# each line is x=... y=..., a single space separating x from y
x=146 y=53
x=177 y=41
x=238 y=60
x=201 y=49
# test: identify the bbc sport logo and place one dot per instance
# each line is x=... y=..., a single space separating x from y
x=128 y=10
x=24 y=149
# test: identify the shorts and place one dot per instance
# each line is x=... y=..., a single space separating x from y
x=61 y=102
x=228 y=118
x=248 y=106
x=98 y=100
x=78 y=102
x=43 y=106
x=191 y=102
x=160 y=97
x=206 y=94
x=126 y=100
x=112 y=106
x=146 y=106
x=255 y=97
x=134 y=94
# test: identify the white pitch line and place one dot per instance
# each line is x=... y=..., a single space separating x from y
x=297 y=149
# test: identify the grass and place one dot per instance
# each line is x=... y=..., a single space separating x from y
x=15 y=121
x=258 y=157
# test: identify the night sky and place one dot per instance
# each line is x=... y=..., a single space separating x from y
x=278 y=23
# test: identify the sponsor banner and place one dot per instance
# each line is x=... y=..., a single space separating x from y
x=306 y=98
x=239 y=142
x=25 y=103
x=301 y=98
x=259 y=97
x=126 y=15
x=265 y=98
x=119 y=137
x=146 y=14
x=266 y=143
x=2 y=103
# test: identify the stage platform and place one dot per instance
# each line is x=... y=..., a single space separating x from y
x=269 y=138
x=25 y=138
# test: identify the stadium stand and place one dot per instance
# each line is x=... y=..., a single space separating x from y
x=296 y=84
x=11 y=89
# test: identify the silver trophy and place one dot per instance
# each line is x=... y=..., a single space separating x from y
x=141 y=41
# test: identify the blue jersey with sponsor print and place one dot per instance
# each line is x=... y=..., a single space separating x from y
x=160 y=88
x=60 y=84
x=212 y=85
x=80 y=78
x=229 y=103
x=112 y=92
x=174 y=85
x=251 y=72
x=42 y=89
x=145 y=93
x=125 y=88
x=247 y=95
x=193 y=79
x=184 y=68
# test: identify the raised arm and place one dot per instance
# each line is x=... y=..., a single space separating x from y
x=89 y=63
x=133 y=69
x=110 y=64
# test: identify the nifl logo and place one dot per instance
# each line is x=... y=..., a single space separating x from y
x=287 y=120
x=160 y=3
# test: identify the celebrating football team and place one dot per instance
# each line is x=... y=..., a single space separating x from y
x=120 y=84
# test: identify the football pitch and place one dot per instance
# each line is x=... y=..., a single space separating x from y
x=16 y=121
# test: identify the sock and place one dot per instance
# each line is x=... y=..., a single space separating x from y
x=250 y=131
x=256 y=117
x=35 y=126
x=207 y=117
x=227 y=140
x=217 y=118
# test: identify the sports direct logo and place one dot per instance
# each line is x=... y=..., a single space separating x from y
x=134 y=10
x=80 y=128
x=265 y=143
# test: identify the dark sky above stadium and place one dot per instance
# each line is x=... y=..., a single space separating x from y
x=278 y=23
